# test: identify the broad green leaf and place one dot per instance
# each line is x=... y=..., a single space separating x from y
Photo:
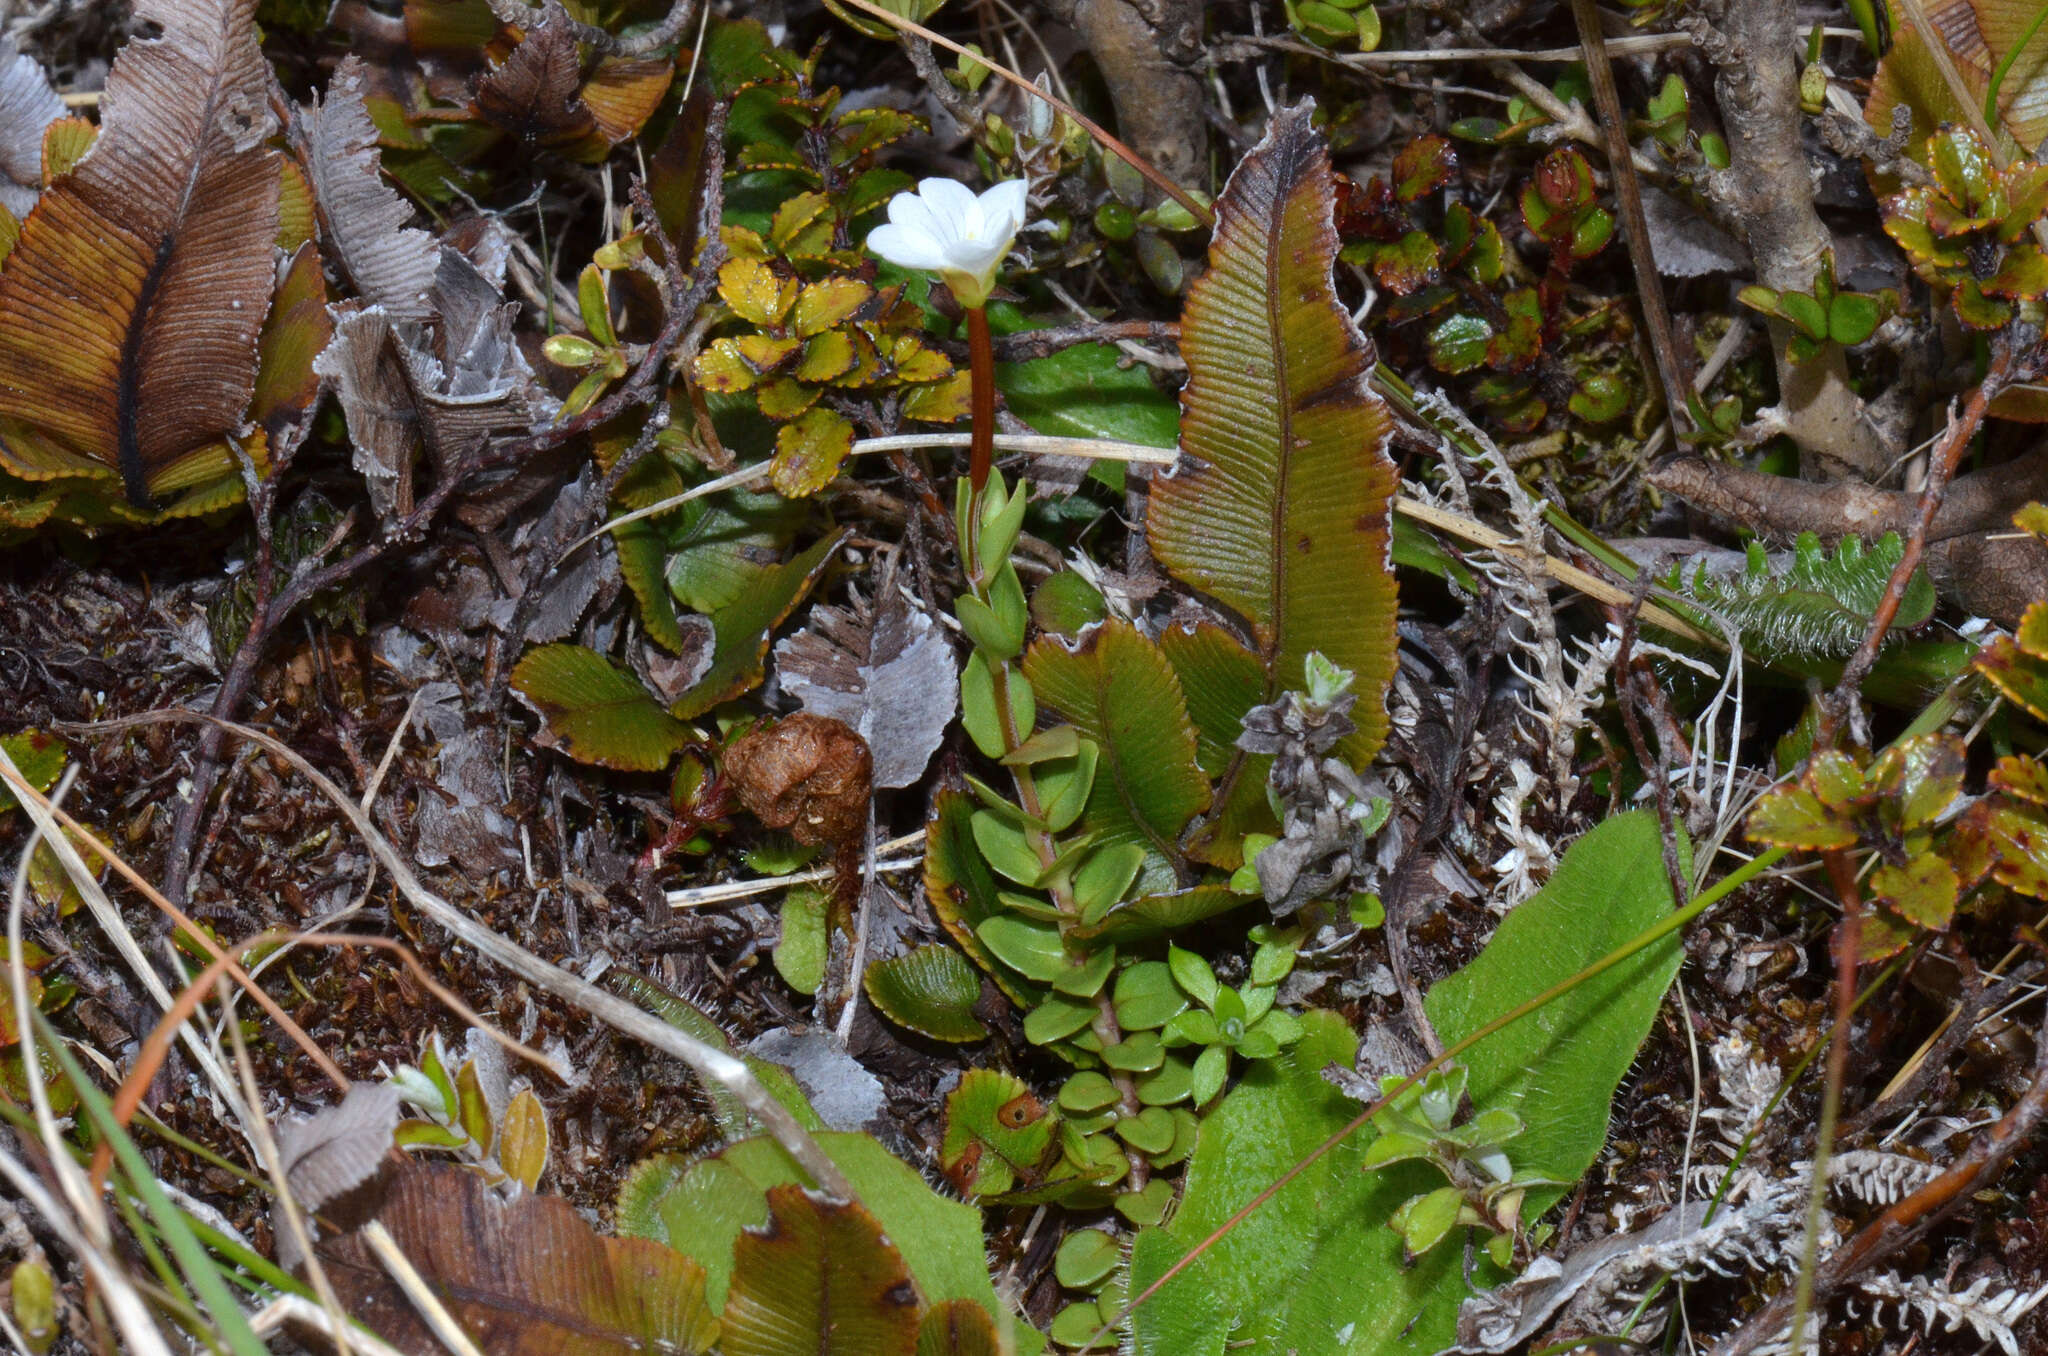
x=1084 y=391
x=742 y=629
x=931 y=990
x=1118 y=689
x=1314 y=1271
x=819 y=1280
x=701 y=1207
x=1558 y=1067
x=595 y=711
x=1281 y=508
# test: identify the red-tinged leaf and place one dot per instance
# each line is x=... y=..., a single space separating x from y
x=1423 y=166
x=2031 y=635
x=1923 y=891
x=390 y=264
x=2021 y=677
x=2019 y=840
x=1922 y=776
x=594 y=711
x=2022 y=275
x=533 y=93
x=1408 y=264
x=130 y=308
x=1794 y=817
x=819 y=1280
x=1838 y=781
x=1881 y=937
x=525 y=1277
x=1281 y=508
x=2023 y=777
x=38 y=756
x=809 y=451
x=1118 y=689
x=622 y=94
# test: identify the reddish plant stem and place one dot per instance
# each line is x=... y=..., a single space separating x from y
x=981 y=357
x=2004 y=370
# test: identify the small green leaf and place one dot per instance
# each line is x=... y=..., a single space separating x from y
x=1032 y=949
x=594 y=711
x=1205 y=1080
x=1085 y=1258
x=931 y=990
x=800 y=951
x=1087 y=1091
x=1146 y=996
x=1005 y=848
x=1194 y=976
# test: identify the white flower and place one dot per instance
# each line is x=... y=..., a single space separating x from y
x=945 y=229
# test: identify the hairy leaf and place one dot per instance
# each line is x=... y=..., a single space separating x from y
x=523 y=1277
x=1282 y=508
x=1817 y=605
x=130 y=307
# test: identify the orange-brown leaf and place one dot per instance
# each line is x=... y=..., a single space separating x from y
x=524 y=1277
x=130 y=308
x=820 y=1277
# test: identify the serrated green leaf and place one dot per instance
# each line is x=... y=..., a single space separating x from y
x=742 y=629
x=595 y=711
x=931 y=990
x=1121 y=693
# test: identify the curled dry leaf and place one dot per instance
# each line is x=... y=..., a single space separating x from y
x=364 y=219
x=890 y=676
x=535 y=93
x=808 y=774
x=525 y=1277
x=333 y=1152
x=27 y=107
x=130 y=307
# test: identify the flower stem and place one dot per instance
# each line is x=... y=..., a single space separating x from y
x=981 y=356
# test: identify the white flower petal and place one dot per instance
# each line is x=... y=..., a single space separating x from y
x=949 y=199
x=907 y=248
x=1003 y=207
x=913 y=213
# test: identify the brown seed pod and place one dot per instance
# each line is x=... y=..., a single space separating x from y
x=808 y=774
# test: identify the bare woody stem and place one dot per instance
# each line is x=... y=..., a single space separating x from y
x=981 y=367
